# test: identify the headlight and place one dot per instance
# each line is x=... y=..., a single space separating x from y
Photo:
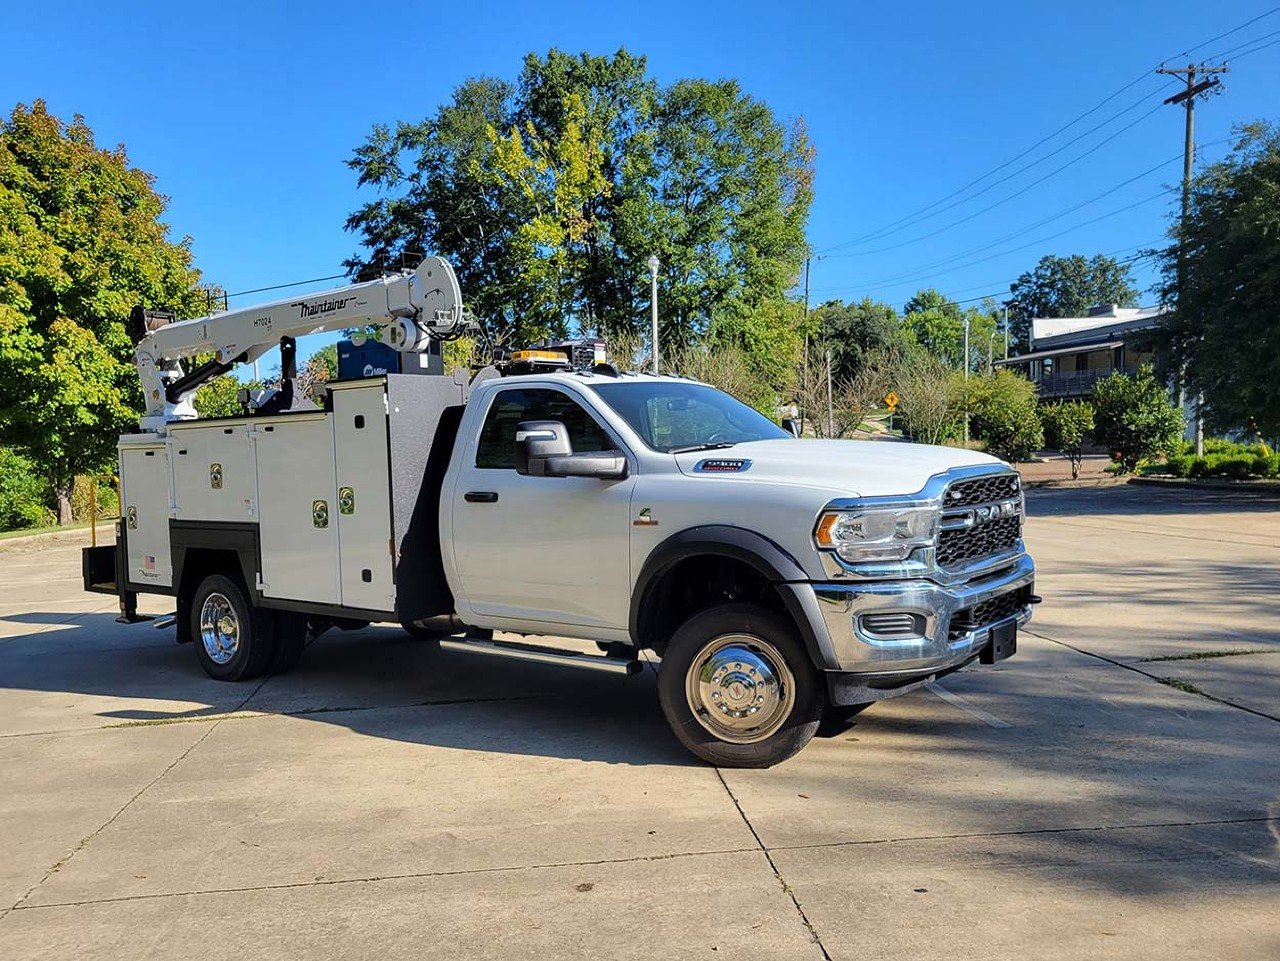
x=877 y=534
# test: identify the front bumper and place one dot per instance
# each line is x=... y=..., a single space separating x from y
x=938 y=645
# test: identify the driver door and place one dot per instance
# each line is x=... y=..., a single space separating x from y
x=551 y=549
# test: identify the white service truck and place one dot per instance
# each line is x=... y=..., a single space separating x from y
x=780 y=580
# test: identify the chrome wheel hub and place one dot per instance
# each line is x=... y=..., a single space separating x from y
x=219 y=628
x=740 y=688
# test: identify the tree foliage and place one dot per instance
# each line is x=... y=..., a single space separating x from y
x=23 y=494
x=1225 y=327
x=550 y=193
x=81 y=242
x=1067 y=287
x=1002 y=408
x=931 y=397
x=936 y=323
x=1067 y=426
x=857 y=331
x=1134 y=418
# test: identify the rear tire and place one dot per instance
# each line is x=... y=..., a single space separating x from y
x=738 y=688
x=234 y=640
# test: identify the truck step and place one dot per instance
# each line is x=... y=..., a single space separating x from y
x=545 y=655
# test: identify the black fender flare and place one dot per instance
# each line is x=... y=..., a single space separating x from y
x=763 y=555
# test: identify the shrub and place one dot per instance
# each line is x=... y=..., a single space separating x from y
x=24 y=495
x=1002 y=410
x=1066 y=428
x=108 y=500
x=1134 y=418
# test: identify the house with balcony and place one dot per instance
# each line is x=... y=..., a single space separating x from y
x=1068 y=355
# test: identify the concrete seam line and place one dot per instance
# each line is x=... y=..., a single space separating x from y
x=1029 y=831
x=1155 y=677
x=375 y=879
x=956 y=700
x=66 y=858
x=786 y=888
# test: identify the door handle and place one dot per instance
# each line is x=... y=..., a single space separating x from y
x=481 y=497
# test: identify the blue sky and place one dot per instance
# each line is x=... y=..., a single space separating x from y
x=246 y=112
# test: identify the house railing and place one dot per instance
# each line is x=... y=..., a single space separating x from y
x=1075 y=383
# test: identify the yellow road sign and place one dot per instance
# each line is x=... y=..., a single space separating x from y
x=891 y=400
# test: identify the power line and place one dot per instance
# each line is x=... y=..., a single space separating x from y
x=296 y=283
x=918 y=215
x=1013 y=196
x=913 y=218
x=1227 y=33
x=1256 y=49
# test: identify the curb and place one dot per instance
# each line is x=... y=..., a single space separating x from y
x=1261 y=488
x=1079 y=482
x=106 y=535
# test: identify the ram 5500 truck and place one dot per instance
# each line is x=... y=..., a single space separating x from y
x=779 y=580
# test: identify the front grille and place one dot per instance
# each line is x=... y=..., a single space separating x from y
x=962 y=545
x=988 y=612
x=982 y=490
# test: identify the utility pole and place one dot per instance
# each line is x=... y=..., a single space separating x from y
x=805 y=375
x=1187 y=98
x=654 y=264
x=1006 y=330
x=966 y=381
x=831 y=407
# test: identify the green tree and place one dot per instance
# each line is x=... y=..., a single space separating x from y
x=1067 y=287
x=219 y=397
x=1066 y=428
x=931 y=397
x=1002 y=410
x=550 y=193
x=858 y=330
x=81 y=242
x=1224 y=326
x=936 y=323
x=1134 y=418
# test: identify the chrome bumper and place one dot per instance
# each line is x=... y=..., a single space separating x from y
x=843 y=605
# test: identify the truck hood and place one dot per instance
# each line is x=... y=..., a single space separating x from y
x=850 y=468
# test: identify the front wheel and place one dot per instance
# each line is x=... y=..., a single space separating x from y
x=738 y=688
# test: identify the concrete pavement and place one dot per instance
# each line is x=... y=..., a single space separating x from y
x=381 y=802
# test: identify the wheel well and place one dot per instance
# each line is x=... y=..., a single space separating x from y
x=694 y=584
x=197 y=564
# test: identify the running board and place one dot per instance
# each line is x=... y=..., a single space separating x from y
x=544 y=655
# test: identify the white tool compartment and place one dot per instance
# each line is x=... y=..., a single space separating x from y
x=213 y=472
x=144 y=507
x=363 y=495
x=297 y=523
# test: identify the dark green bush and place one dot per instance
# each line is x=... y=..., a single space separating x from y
x=23 y=494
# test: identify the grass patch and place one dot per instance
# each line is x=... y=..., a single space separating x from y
x=1206 y=655
x=1181 y=685
x=104 y=524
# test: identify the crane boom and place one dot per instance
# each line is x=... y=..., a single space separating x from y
x=410 y=309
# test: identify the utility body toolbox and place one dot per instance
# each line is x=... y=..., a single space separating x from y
x=320 y=506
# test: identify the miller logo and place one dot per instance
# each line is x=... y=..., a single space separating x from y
x=321 y=306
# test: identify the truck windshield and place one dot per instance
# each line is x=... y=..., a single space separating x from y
x=670 y=416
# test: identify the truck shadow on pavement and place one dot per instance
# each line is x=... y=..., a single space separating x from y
x=1092 y=777
x=131 y=676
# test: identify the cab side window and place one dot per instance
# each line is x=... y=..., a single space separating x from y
x=497 y=447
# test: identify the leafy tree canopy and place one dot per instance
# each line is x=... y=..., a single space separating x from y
x=81 y=242
x=549 y=194
x=855 y=331
x=1225 y=326
x=936 y=323
x=1067 y=287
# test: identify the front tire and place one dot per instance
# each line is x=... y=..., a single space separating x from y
x=738 y=688
x=234 y=640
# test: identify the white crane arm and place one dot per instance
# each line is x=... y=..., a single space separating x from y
x=409 y=308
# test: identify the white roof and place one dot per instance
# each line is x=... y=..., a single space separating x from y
x=1057 y=326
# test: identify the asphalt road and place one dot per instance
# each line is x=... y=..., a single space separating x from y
x=1081 y=800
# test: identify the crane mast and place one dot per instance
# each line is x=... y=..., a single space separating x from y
x=409 y=310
